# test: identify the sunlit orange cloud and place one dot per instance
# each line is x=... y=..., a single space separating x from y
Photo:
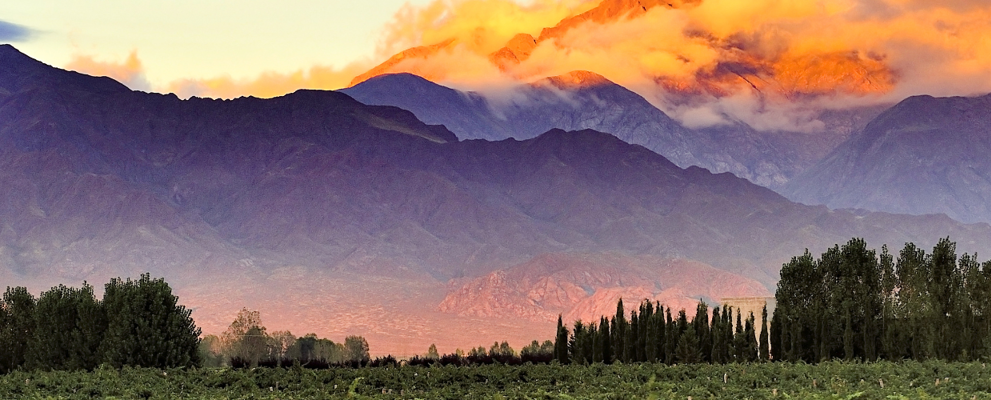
x=765 y=62
x=131 y=73
x=268 y=84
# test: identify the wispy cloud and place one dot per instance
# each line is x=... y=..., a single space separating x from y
x=10 y=32
x=131 y=72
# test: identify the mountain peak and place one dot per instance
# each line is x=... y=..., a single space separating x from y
x=19 y=71
x=421 y=52
x=579 y=80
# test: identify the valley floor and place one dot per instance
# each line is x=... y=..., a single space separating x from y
x=903 y=380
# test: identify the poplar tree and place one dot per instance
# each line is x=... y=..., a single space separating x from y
x=764 y=353
x=715 y=355
x=619 y=333
x=701 y=326
x=561 y=342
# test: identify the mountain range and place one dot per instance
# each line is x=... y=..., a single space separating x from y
x=585 y=100
x=334 y=216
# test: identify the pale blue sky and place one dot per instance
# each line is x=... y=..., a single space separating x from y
x=199 y=39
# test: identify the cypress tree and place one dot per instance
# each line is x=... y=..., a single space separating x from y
x=739 y=341
x=717 y=337
x=561 y=342
x=687 y=350
x=577 y=344
x=701 y=326
x=606 y=339
x=661 y=333
x=764 y=353
x=750 y=333
x=619 y=333
x=776 y=350
x=671 y=336
x=632 y=336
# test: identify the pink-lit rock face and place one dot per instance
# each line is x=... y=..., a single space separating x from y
x=587 y=286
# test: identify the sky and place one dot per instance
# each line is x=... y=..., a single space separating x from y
x=199 y=39
x=704 y=62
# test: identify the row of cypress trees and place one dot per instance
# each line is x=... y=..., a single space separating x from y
x=652 y=335
x=855 y=303
x=137 y=323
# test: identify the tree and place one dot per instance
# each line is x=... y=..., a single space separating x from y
x=279 y=343
x=561 y=342
x=356 y=349
x=70 y=325
x=701 y=325
x=245 y=338
x=688 y=351
x=211 y=351
x=147 y=327
x=764 y=352
x=432 y=353
x=18 y=310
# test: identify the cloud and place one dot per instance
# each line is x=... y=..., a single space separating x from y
x=268 y=84
x=131 y=72
x=706 y=62
x=10 y=32
x=765 y=62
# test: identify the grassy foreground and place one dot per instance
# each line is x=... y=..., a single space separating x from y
x=884 y=380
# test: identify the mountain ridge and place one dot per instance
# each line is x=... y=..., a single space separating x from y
x=925 y=155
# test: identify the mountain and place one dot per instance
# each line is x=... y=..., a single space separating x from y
x=336 y=217
x=584 y=100
x=925 y=155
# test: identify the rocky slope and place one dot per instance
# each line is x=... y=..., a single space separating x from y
x=926 y=155
x=586 y=286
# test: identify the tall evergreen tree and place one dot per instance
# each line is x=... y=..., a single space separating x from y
x=561 y=343
x=764 y=353
x=715 y=355
x=739 y=340
x=619 y=333
x=700 y=323
x=671 y=336
x=776 y=343
x=687 y=351
x=606 y=337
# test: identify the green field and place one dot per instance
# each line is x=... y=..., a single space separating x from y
x=833 y=380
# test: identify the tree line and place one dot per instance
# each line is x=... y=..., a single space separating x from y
x=247 y=343
x=651 y=334
x=137 y=323
x=854 y=303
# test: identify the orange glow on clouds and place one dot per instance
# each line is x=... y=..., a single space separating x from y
x=703 y=61
x=130 y=72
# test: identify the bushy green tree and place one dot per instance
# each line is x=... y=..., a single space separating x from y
x=147 y=327
x=18 y=327
x=69 y=327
